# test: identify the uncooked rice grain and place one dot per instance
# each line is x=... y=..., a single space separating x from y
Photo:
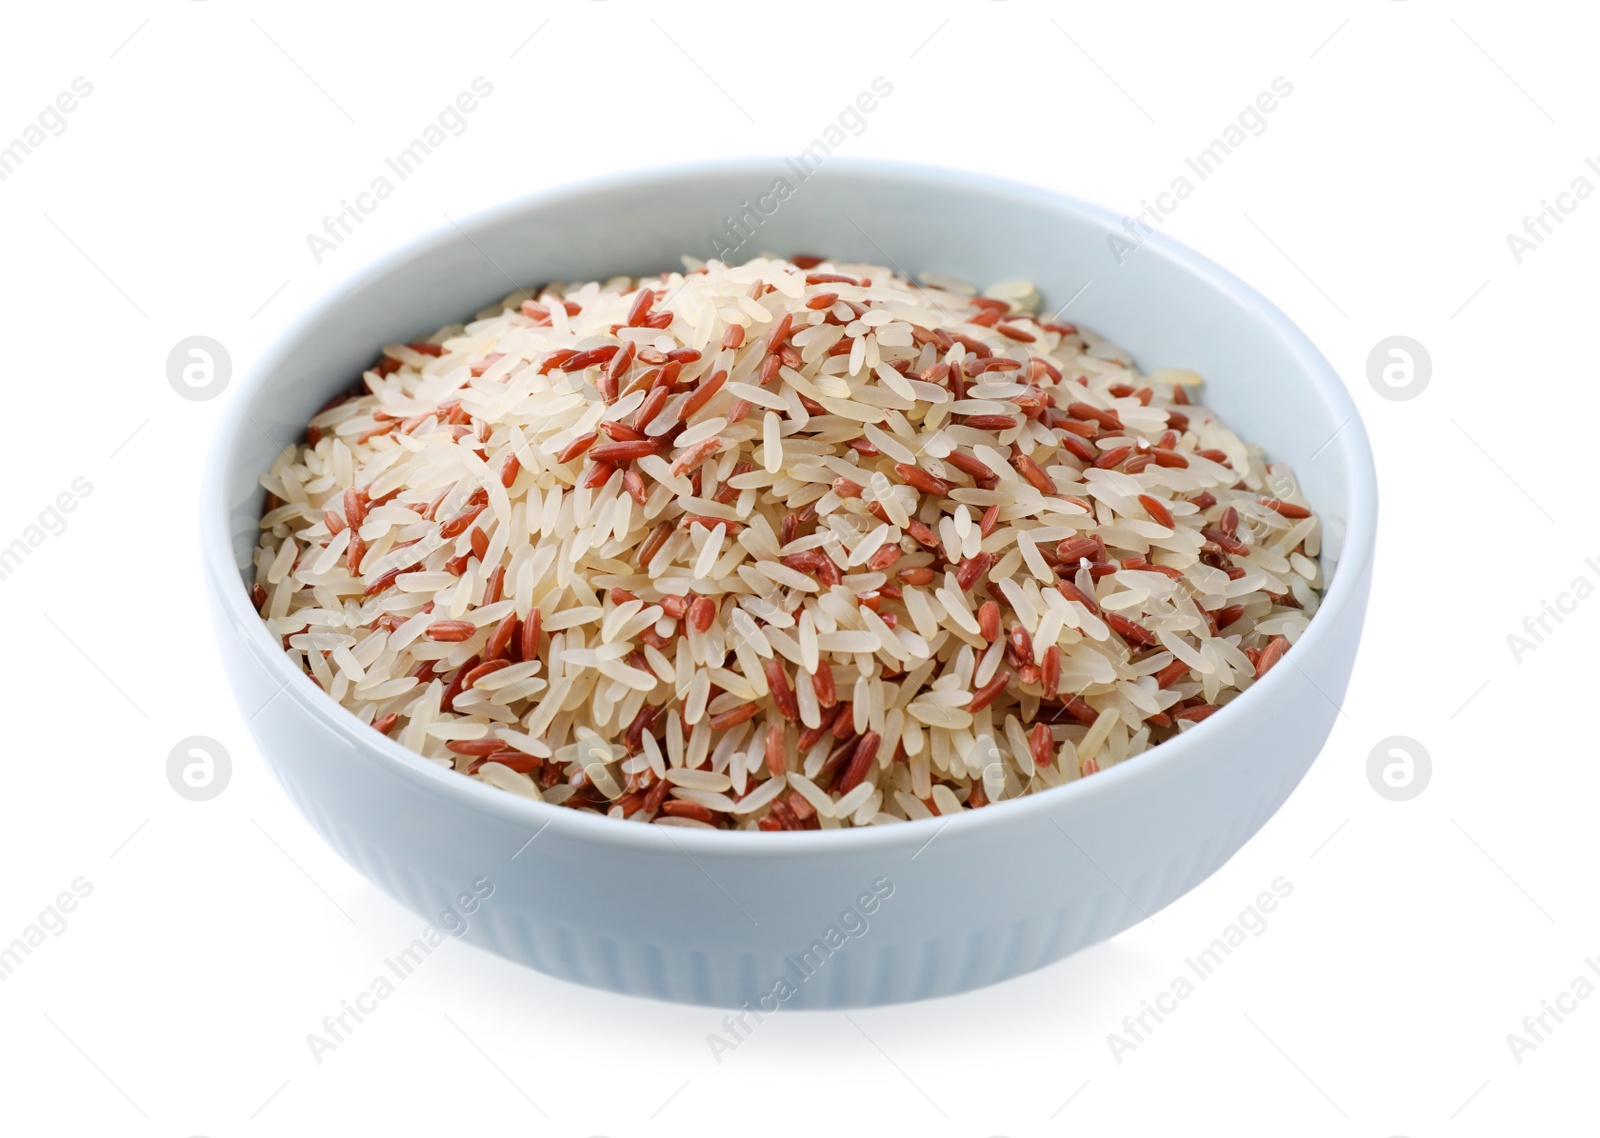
x=764 y=547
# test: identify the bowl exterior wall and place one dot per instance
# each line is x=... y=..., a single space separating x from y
x=955 y=913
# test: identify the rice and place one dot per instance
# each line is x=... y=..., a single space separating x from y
x=711 y=549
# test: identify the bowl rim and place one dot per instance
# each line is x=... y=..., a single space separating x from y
x=1153 y=767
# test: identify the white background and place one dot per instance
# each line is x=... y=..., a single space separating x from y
x=1419 y=934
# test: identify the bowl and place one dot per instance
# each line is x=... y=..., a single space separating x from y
x=821 y=919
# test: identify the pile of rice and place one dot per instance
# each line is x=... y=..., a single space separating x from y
x=786 y=545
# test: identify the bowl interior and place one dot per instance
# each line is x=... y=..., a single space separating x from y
x=1164 y=303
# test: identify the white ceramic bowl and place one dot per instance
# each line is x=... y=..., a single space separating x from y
x=792 y=918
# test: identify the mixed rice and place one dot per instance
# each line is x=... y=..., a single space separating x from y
x=786 y=545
